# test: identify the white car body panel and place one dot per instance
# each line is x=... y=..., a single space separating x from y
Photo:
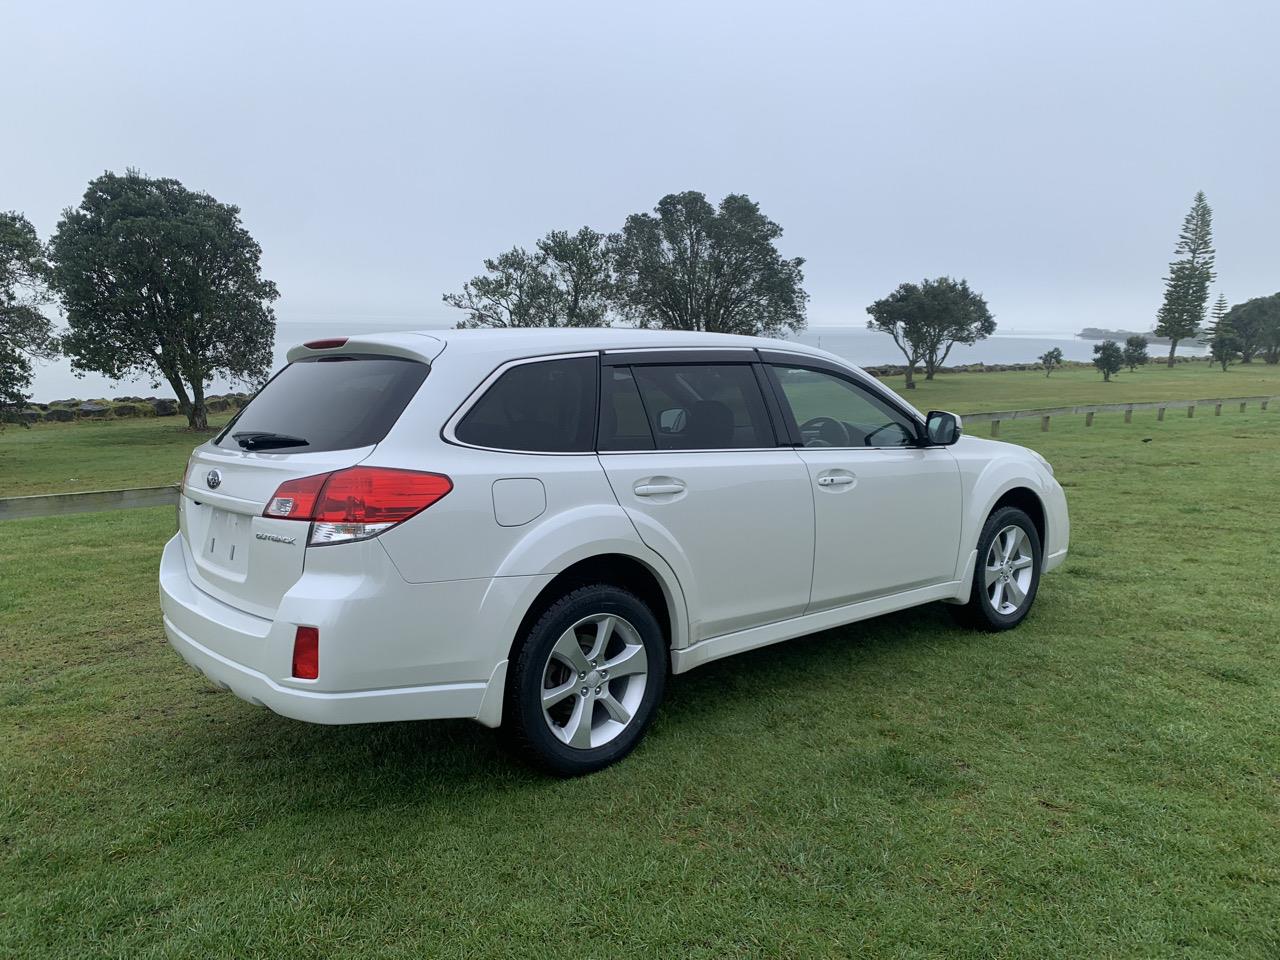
x=419 y=622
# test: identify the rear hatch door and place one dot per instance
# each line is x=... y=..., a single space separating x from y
x=318 y=415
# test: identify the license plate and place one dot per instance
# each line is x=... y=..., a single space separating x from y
x=227 y=543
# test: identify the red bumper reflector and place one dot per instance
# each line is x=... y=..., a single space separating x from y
x=306 y=653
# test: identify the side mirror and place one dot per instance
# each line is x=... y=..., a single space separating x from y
x=942 y=429
x=673 y=420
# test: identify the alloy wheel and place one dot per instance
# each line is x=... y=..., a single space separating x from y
x=594 y=681
x=1009 y=568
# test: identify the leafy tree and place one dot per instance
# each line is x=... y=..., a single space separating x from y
x=1255 y=326
x=1135 y=352
x=1187 y=287
x=566 y=281
x=25 y=332
x=929 y=318
x=692 y=266
x=1108 y=357
x=162 y=281
x=1051 y=359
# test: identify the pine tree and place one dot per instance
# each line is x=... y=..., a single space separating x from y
x=1220 y=334
x=1186 y=289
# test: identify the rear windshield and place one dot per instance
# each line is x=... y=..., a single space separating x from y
x=329 y=403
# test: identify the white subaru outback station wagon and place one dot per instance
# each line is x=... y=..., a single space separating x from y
x=532 y=528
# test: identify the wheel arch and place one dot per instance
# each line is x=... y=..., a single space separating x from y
x=1029 y=502
x=658 y=592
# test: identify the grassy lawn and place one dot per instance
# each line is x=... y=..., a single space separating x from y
x=96 y=454
x=1104 y=781
x=1023 y=389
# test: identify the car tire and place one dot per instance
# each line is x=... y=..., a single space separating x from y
x=585 y=681
x=1007 y=570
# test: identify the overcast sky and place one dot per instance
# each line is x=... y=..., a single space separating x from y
x=1047 y=152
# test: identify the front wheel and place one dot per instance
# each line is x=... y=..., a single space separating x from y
x=1007 y=574
x=586 y=681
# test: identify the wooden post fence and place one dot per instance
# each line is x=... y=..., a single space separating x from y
x=1046 y=414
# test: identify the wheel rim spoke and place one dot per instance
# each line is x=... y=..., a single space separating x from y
x=557 y=694
x=1022 y=563
x=604 y=630
x=570 y=652
x=993 y=575
x=577 y=732
x=997 y=596
x=630 y=661
x=614 y=708
x=1015 y=591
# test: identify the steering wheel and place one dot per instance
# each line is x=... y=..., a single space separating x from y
x=824 y=432
x=902 y=435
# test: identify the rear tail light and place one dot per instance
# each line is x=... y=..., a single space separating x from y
x=306 y=653
x=356 y=503
x=296 y=499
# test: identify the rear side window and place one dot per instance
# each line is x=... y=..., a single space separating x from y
x=548 y=406
x=704 y=406
x=623 y=425
x=330 y=403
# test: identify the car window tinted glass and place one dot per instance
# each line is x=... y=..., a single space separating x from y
x=623 y=425
x=548 y=406
x=834 y=412
x=334 y=403
x=704 y=406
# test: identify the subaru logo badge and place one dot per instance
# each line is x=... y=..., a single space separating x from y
x=214 y=479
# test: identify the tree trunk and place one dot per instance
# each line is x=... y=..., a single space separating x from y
x=1173 y=345
x=198 y=416
x=911 y=369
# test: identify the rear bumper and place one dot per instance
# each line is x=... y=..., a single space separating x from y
x=388 y=650
x=434 y=702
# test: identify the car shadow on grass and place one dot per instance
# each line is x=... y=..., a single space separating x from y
x=255 y=753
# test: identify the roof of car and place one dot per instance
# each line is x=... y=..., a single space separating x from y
x=602 y=338
x=510 y=343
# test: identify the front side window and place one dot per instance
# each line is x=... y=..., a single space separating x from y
x=547 y=406
x=704 y=406
x=834 y=412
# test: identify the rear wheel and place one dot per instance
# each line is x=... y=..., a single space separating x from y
x=586 y=681
x=1007 y=574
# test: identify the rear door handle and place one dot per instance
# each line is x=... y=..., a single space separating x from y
x=652 y=489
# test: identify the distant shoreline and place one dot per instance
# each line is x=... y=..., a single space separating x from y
x=1098 y=333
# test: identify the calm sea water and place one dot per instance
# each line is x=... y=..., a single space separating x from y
x=55 y=380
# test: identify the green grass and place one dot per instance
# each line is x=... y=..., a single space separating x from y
x=1023 y=389
x=96 y=454
x=1102 y=782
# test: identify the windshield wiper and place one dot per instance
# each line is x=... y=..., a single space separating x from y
x=265 y=440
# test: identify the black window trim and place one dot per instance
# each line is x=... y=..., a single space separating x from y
x=772 y=358
x=448 y=435
x=712 y=357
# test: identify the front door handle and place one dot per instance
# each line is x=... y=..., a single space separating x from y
x=836 y=479
x=658 y=488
